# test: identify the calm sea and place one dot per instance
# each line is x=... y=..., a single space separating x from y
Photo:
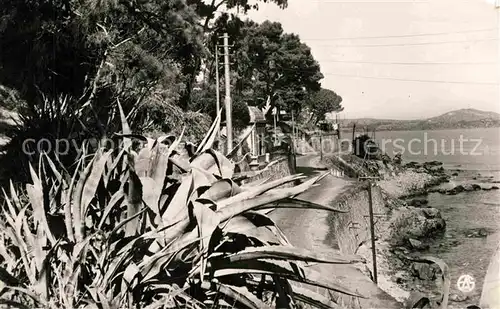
x=475 y=153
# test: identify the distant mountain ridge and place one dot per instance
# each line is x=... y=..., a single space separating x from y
x=459 y=119
x=466 y=114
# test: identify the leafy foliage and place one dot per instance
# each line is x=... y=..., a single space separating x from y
x=99 y=51
x=43 y=127
x=154 y=229
x=206 y=12
x=269 y=63
x=322 y=102
x=203 y=100
x=59 y=126
x=146 y=54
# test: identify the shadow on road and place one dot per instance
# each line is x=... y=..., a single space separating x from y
x=310 y=171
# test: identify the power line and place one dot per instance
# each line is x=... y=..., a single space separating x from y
x=397 y=79
x=407 y=63
x=402 y=35
x=412 y=44
x=413 y=80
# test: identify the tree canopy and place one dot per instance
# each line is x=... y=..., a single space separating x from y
x=146 y=53
x=322 y=102
x=207 y=17
x=99 y=50
x=267 y=62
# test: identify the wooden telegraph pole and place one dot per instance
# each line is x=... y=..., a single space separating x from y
x=372 y=226
x=229 y=122
x=217 y=91
x=275 y=112
x=321 y=144
x=293 y=144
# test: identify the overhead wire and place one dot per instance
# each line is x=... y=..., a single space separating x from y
x=413 y=80
x=403 y=63
x=400 y=79
x=400 y=36
x=410 y=44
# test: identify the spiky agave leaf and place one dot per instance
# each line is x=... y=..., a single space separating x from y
x=291 y=253
x=240 y=206
x=238 y=295
x=281 y=269
x=256 y=225
x=196 y=212
x=241 y=139
x=211 y=135
x=127 y=142
x=312 y=298
x=298 y=203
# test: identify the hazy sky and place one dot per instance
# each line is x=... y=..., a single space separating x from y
x=408 y=31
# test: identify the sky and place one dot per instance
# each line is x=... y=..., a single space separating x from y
x=417 y=42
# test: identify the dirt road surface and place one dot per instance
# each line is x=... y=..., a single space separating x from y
x=309 y=228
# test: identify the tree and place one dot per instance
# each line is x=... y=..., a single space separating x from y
x=206 y=13
x=322 y=102
x=73 y=60
x=269 y=63
x=99 y=50
x=203 y=100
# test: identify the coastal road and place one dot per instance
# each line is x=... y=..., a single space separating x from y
x=309 y=228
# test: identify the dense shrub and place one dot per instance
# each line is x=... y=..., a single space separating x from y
x=154 y=229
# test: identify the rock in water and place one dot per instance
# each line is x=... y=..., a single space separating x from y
x=433 y=163
x=424 y=271
x=471 y=187
x=490 y=188
x=418 y=202
x=477 y=233
x=431 y=213
x=417 y=244
x=417 y=223
x=413 y=164
x=456 y=190
x=458 y=297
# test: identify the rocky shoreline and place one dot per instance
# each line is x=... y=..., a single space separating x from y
x=410 y=224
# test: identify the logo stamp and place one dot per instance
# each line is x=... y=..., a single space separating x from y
x=466 y=283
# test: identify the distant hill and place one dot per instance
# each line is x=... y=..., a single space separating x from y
x=464 y=115
x=458 y=119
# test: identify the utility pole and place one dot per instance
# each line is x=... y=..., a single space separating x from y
x=372 y=232
x=274 y=112
x=354 y=146
x=229 y=122
x=321 y=145
x=217 y=93
x=372 y=226
x=293 y=144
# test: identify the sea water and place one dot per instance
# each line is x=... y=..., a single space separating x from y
x=474 y=155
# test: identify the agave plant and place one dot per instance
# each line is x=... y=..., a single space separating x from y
x=155 y=229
